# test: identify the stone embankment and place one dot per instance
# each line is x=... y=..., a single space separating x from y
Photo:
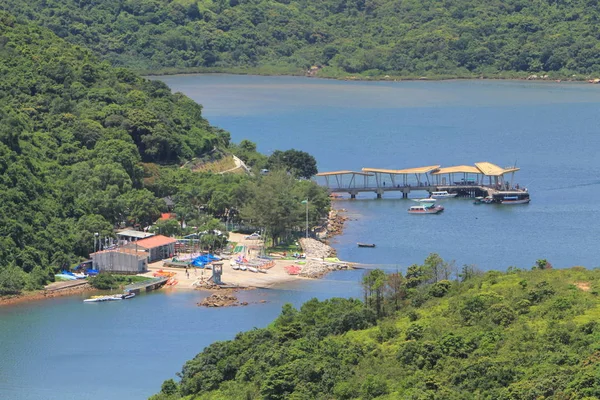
x=335 y=222
x=316 y=254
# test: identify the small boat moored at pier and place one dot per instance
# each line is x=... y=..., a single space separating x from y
x=483 y=200
x=510 y=200
x=366 y=244
x=442 y=195
x=425 y=208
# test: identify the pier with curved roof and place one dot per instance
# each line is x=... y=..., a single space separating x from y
x=480 y=179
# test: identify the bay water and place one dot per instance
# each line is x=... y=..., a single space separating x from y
x=65 y=349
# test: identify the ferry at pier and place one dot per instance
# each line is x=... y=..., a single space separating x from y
x=442 y=195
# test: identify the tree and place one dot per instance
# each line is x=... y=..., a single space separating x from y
x=373 y=283
x=299 y=163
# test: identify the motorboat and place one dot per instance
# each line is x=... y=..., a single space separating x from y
x=442 y=195
x=483 y=200
x=427 y=200
x=366 y=244
x=110 y=297
x=425 y=209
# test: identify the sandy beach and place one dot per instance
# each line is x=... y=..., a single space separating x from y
x=245 y=279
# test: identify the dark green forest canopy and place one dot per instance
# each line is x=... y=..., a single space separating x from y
x=86 y=147
x=403 y=37
x=499 y=336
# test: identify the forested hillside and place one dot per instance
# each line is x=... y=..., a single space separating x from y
x=369 y=37
x=520 y=335
x=85 y=148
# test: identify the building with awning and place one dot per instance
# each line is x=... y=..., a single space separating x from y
x=158 y=247
x=458 y=175
x=495 y=175
x=345 y=178
x=421 y=175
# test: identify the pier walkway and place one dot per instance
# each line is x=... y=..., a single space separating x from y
x=148 y=285
x=482 y=179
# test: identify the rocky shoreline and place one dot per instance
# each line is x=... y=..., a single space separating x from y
x=44 y=294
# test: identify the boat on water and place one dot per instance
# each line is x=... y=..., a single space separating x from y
x=514 y=200
x=426 y=200
x=110 y=297
x=425 y=208
x=483 y=200
x=442 y=195
x=366 y=244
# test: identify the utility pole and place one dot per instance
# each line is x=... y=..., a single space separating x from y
x=306 y=203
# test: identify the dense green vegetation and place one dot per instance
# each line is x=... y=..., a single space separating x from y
x=369 y=37
x=514 y=335
x=85 y=148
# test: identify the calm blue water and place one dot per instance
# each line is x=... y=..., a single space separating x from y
x=550 y=130
x=65 y=349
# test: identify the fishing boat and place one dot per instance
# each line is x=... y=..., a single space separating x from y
x=425 y=209
x=366 y=244
x=442 y=195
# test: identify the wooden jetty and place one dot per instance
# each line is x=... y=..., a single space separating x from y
x=482 y=179
x=152 y=284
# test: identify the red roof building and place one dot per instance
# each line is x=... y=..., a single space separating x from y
x=159 y=247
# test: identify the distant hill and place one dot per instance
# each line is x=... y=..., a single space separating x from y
x=368 y=37
x=503 y=336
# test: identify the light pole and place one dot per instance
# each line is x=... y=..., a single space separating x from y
x=96 y=239
x=306 y=203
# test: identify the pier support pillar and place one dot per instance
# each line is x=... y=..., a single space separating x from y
x=404 y=195
x=352 y=196
x=378 y=195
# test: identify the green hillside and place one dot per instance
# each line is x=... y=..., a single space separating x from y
x=368 y=37
x=517 y=335
x=86 y=147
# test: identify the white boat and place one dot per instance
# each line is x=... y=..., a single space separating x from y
x=243 y=267
x=263 y=271
x=425 y=208
x=109 y=297
x=442 y=195
x=235 y=266
x=427 y=200
x=483 y=200
x=253 y=269
x=508 y=200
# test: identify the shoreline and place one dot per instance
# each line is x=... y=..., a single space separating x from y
x=43 y=294
x=531 y=77
x=192 y=280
